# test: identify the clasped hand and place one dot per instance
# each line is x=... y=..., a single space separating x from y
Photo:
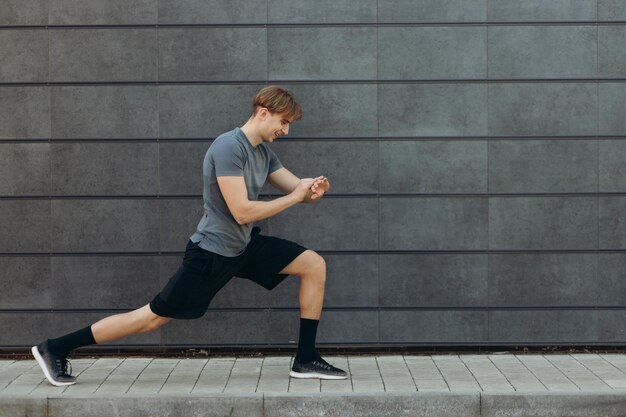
x=318 y=186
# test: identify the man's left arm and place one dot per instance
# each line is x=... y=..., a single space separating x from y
x=286 y=182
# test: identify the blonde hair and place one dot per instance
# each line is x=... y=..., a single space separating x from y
x=277 y=100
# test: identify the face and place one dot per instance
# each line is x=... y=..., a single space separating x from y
x=273 y=125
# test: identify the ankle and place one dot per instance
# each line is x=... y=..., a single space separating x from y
x=53 y=349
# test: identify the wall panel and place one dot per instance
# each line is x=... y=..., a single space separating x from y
x=476 y=151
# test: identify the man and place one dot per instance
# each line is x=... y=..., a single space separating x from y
x=225 y=244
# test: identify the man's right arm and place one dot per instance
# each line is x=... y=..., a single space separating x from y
x=246 y=211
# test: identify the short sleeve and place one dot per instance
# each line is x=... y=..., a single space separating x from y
x=274 y=161
x=228 y=157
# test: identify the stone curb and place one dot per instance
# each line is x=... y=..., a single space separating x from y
x=12 y=406
x=553 y=404
x=441 y=404
x=248 y=405
x=431 y=404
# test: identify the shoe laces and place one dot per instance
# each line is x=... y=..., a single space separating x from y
x=62 y=365
x=323 y=364
x=321 y=360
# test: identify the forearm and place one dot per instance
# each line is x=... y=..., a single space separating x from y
x=255 y=211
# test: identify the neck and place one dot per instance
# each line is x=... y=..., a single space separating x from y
x=251 y=131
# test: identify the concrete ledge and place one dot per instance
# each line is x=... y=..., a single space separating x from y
x=249 y=405
x=431 y=404
x=373 y=405
x=11 y=406
x=554 y=404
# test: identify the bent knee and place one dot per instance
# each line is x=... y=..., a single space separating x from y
x=314 y=267
x=314 y=262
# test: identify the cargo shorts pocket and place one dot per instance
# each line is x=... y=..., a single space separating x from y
x=197 y=261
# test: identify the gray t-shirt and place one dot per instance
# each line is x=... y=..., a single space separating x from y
x=231 y=154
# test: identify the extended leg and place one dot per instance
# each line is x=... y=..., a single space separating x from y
x=51 y=355
x=115 y=327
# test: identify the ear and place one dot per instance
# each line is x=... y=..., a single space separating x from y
x=263 y=113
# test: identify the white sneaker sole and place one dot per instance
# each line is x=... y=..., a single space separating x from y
x=314 y=375
x=44 y=368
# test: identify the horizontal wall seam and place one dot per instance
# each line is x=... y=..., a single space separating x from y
x=317 y=82
x=327 y=196
x=313 y=25
x=339 y=252
x=336 y=309
x=346 y=139
x=384 y=346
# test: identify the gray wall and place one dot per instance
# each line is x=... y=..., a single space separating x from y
x=476 y=151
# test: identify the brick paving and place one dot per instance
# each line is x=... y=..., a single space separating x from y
x=368 y=374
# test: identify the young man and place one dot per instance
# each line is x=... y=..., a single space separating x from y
x=225 y=244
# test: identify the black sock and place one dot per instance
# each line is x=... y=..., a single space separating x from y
x=63 y=345
x=306 y=343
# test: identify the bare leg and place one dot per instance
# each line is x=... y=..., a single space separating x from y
x=308 y=363
x=312 y=271
x=115 y=327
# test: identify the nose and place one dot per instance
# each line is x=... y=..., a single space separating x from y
x=285 y=129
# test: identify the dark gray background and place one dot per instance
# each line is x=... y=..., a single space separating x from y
x=476 y=149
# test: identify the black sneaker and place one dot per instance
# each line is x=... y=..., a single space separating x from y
x=317 y=368
x=54 y=367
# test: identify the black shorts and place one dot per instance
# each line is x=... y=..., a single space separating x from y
x=190 y=290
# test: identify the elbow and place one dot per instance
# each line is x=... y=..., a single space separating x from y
x=241 y=220
x=242 y=214
x=242 y=217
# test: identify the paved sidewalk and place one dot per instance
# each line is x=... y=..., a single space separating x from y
x=395 y=385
